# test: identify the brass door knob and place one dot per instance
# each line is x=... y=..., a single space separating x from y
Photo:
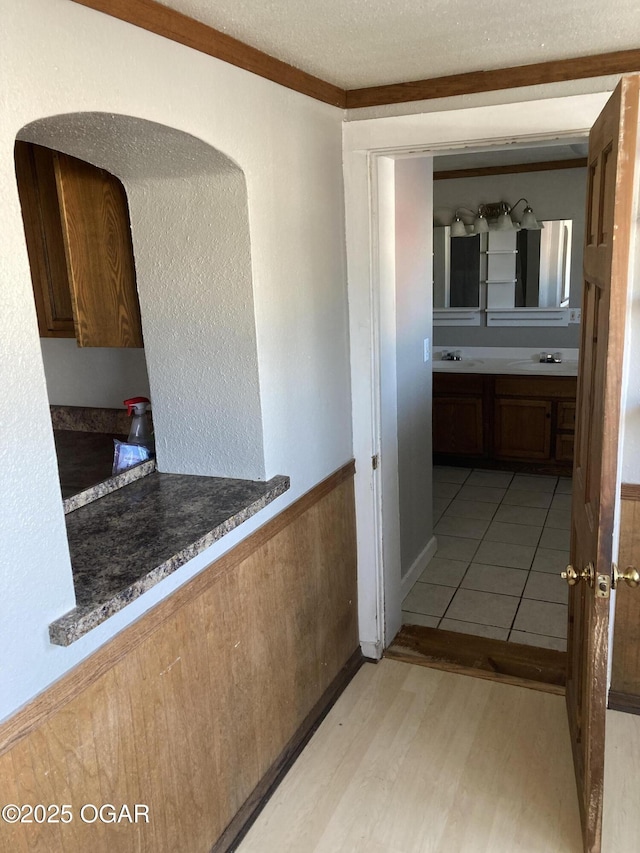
x=572 y=576
x=631 y=576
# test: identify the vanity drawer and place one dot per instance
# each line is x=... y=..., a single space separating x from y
x=566 y=415
x=536 y=386
x=458 y=383
x=564 y=446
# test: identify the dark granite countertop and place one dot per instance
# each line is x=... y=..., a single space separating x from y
x=84 y=458
x=129 y=540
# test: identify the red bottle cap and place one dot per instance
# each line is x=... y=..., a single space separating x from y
x=131 y=402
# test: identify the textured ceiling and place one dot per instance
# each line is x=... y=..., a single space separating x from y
x=357 y=43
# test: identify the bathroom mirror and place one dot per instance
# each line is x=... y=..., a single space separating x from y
x=503 y=269
x=456 y=269
x=543 y=266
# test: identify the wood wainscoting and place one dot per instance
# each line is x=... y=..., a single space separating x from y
x=194 y=709
x=624 y=694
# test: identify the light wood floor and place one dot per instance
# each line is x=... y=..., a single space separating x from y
x=621 y=818
x=412 y=759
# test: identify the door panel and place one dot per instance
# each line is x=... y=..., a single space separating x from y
x=612 y=150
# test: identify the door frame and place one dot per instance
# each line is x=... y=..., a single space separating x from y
x=367 y=144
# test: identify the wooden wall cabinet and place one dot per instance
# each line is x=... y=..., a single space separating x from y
x=78 y=236
x=519 y=419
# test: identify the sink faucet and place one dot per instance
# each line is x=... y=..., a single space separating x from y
x=551 y=358
x=452 y=355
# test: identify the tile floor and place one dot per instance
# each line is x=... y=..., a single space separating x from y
x=503 y=539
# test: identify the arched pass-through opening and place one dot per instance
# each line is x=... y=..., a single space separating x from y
x=190 y=233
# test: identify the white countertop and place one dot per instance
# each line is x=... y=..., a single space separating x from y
x=522 y=362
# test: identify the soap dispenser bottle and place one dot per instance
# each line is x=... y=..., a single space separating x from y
x=140 y=432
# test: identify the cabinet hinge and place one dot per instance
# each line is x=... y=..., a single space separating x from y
x=374 y=462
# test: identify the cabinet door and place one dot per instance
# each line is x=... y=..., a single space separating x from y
x=99 y=254
x=522 y=429
x=36 y=180
x=457 y=426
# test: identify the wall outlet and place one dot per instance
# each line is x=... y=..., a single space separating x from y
x=427 y=350
x=575 y=315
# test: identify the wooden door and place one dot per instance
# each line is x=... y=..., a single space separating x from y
x=612 y=151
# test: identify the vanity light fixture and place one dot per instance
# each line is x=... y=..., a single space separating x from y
x=501 y=219
x=528 y=221
x=496 y=216
x=459 y=229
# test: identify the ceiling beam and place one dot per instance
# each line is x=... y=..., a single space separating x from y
x=159 y=19
x=482 y=171
x=555 y=71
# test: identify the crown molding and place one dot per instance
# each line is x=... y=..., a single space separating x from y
x=159 y=19
x=514 y=168
x=163 y=21
x=555 y=71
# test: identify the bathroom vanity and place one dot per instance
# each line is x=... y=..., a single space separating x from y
x=516 y=413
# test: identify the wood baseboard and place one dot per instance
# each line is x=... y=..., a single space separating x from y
x=249 y=812
x=496 y=660
x=625 y=702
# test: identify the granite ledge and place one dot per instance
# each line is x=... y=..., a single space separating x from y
x=131 y=539
x=105 y=487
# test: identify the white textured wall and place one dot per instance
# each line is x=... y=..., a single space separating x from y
x=58 y=57
x=99 y=377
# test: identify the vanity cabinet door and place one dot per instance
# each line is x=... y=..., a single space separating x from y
x=78 y=237
x=457 y=426
x=459 y=414
x=522 y=429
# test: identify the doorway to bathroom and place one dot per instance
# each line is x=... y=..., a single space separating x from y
x=505 y=298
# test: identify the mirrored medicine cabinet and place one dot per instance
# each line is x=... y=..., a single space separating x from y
x=517 y=277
